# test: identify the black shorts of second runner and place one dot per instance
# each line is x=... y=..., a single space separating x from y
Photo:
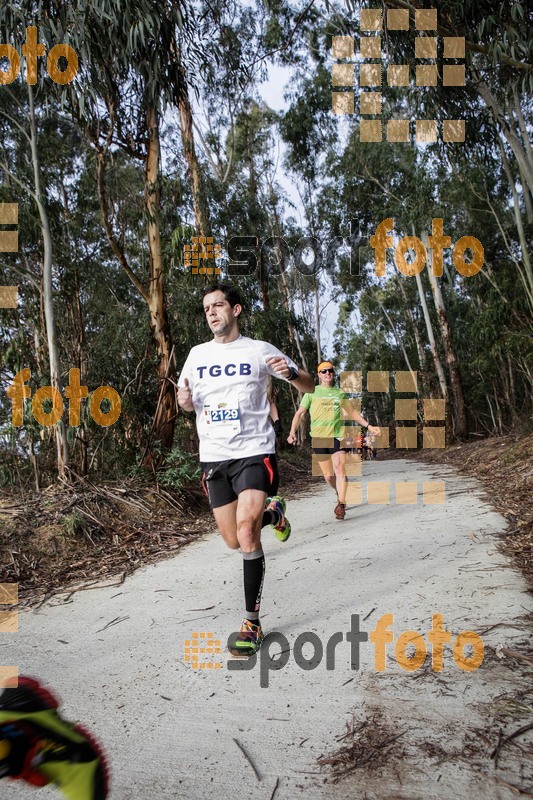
x=325 y=453
x=223 y=481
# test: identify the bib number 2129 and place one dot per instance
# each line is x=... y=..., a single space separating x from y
x=224 y=414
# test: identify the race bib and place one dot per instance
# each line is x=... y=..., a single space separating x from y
x=222 y=420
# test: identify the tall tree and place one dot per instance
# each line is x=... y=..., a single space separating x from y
x=122 y=108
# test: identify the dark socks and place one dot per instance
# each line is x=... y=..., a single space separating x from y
x=270 y=517
x=254 y=573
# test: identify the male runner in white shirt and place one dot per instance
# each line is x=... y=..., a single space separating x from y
x=225 y=382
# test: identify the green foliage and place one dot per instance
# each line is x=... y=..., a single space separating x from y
x=179 y=469
x=74 y=524
x=8 y=475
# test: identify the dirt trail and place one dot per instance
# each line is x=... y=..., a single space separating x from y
x=116 y=655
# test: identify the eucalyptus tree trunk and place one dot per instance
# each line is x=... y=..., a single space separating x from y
x=201 y=217
x=410 y=316
x=398 y=339
x=286 y=298
x=166 y=407
x=461 y=425
x=431 y=337
x=80 y=343
x=528 y=148
x=48 y=300
x=527 y=197
x=154 y=296
x=434 y=353
x=294 y=336
x=317 y=324
x=513 y=140
x=528 y=279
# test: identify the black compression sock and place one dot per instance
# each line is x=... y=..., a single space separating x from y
x=270 y=517
x=254 y=573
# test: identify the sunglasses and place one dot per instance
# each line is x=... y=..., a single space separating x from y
x=323 y=371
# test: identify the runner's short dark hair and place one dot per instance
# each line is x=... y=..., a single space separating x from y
x=230 y=293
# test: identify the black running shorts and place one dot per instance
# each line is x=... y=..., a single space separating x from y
x=223 y=481
x=327 y=452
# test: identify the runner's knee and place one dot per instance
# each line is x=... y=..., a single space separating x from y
x=230 y=539
x=245 y=528
x=232 y=542
x=247 y=534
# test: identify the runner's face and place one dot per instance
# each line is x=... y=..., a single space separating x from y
x=326 y=378
x=221 y=317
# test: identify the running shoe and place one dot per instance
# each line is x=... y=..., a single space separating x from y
x=340 y=510
x=247 y=641
x=40 y=747
x=283 y=527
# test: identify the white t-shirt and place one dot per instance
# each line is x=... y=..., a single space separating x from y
x=229 y=392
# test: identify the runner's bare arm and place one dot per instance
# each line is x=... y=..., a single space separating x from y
x=357 y=417
x=185 y=397
x=291 y=438
x=304 y=382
